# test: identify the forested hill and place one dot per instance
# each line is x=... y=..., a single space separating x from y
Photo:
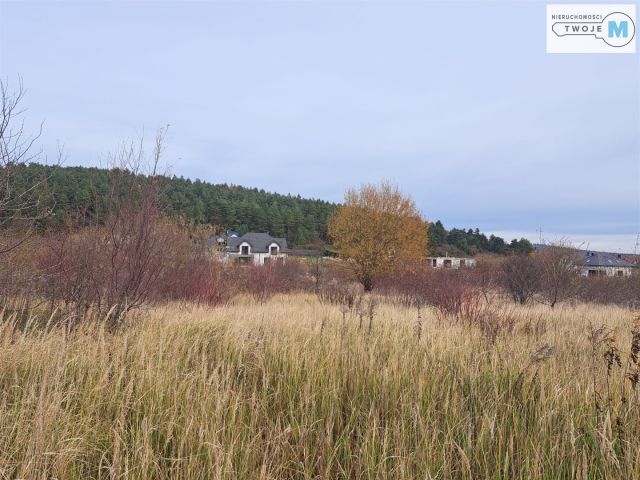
x=457 y=242
x=302 y=221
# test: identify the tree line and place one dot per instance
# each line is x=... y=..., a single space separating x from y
x=107 y=241
x=74 y=193
x=460 y=242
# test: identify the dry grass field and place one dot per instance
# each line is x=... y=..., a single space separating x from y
x=295 y=389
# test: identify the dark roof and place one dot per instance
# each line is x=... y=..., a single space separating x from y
x=259 y=242
x=223 y=238
x=599 y=259
x=595 y=259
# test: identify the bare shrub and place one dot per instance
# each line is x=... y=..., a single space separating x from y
x=19 y=275
x=114 y=266
x=623 y=291
x=264 y=281
x=488 y=274
x=22 y=206
x=409 y=282
x=329 y=277
x=453 y=294
x=81 y=270
x=557 y=267
x=23 y=203
x=296 y=275
x=208 y=282
x=192 y=274
x=105 y=268
x=71 y=270
x=335 y=284
x=520 y=277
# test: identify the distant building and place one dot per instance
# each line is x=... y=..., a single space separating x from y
x=250 y=248
x=594 y=264
x=255 y=248
x=608 y=264
x=451 y=262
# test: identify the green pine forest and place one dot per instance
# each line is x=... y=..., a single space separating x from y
x=73 y=193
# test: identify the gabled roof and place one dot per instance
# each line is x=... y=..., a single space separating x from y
x=599 y=259
x=595 y=259
x=259 y=242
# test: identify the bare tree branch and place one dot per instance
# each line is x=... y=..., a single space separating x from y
x=22 y=204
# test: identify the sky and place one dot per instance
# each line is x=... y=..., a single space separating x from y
x=456 y=102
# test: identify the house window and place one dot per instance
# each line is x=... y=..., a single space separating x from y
x=434 y=263
x=592 y=273
x=462 y=263
x=447 y=264
x=620 y=273
x=245 y=250
x=274 y=250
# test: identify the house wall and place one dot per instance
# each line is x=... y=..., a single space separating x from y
x=257 y=258
x=455 y=262
x=608 y=271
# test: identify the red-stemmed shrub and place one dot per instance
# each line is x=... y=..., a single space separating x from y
x=454 y=293
x=264 y=281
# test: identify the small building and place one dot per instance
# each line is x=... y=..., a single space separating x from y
x=253 y=248
x=605 y=264
x=451 y=262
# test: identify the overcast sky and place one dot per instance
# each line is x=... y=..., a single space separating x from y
x=456 y=102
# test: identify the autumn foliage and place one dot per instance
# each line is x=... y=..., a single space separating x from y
x=376 y=227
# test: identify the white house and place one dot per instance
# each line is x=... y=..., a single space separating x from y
x=451 y=262
x=595 y=264
x=255 y=248
x=607 y=264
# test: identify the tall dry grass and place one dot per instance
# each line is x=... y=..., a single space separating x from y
x=290 y=389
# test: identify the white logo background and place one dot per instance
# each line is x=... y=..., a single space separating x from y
x=562 y=39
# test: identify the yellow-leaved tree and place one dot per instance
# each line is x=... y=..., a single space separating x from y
x=376 y=227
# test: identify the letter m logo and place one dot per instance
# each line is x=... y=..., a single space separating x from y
x=617 y=29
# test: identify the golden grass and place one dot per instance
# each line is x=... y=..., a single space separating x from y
x=287 y=390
